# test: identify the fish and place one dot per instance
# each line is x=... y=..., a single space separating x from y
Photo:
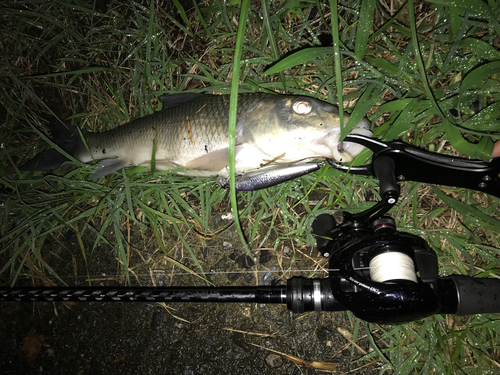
x=190 y=133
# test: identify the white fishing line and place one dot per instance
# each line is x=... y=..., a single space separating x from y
x=392 y=266
x=168 y=274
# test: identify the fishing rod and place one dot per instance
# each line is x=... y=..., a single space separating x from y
x=380 y=274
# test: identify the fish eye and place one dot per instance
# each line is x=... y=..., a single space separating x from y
x=302 y=107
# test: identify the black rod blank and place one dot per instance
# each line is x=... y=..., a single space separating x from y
x=300 y=294
x=261 y=294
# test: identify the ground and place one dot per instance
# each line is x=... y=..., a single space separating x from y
x=197 y=338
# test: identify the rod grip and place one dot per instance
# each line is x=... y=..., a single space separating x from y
x=477 y=296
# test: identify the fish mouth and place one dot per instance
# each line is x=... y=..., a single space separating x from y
x=352 y=148
x=346 y=151
x=330 y=146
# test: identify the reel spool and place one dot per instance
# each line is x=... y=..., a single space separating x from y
x=381 y=275
x=390 y=265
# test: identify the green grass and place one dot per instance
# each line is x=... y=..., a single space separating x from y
x=426 y=73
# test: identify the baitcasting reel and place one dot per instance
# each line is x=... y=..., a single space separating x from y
x=385 y=276
x=379 y=274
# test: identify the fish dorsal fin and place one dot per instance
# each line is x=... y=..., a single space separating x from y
x=213 y=161
x=174 y=100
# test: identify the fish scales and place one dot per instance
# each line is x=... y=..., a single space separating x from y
x=182 y=133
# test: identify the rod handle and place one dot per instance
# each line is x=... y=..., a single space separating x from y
x=474 y=295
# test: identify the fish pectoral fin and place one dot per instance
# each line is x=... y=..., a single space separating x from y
x=213 y=161
x=107 y=166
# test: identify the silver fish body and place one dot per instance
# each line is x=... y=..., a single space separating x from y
x=192 y=134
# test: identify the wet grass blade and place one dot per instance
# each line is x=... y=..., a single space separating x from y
x=364 y=26
x=363 y=106
x=419 y=61
x=480 y=49
x=337 y=61
x=483 y=220
x=298 y=58
x=272 y=41
x=235 y=82
x=182 y=13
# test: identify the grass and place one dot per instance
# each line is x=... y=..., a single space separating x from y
x=425 y=72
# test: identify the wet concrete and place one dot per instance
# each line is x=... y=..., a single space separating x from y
x=133 y=338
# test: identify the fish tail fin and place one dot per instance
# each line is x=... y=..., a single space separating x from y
x=64 y=135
